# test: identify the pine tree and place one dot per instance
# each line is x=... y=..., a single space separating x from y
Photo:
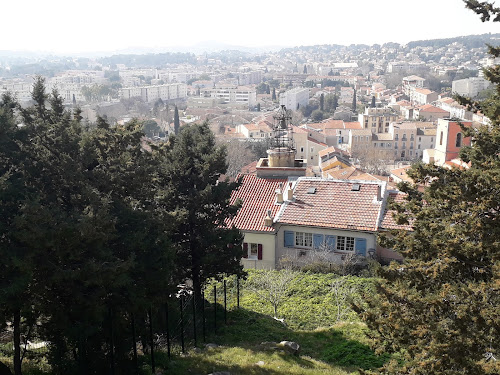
x=199 y=203
x=441 y=308
x=177 y=123
x=89 y=234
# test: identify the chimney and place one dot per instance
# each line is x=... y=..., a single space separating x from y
x=289 y=192
x=268 y=220
x=279 y=194
x=379 y=193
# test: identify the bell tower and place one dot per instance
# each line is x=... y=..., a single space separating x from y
x=281 y=153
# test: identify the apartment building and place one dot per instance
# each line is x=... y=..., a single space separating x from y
x=412 y=81
x=150 y=94
x=377 y=120
x=295 y=98
x=421 y=96
x=250 y=78
x=233 y=94
x=470 y=87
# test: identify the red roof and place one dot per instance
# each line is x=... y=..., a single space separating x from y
x=333 y=204
x=258 y=195
x=388 y=221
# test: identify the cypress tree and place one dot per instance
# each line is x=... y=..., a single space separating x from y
x=373 y=105
x=177 y=123
x=354 y=101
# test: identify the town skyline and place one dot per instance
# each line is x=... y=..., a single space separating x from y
x=262 y=25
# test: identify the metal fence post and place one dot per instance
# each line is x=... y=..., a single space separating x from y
x=225 y=302
x=168 y=329
x=181 y=303
x=136 y=365
x=111 y=343
x=153 y=364
x=215 y=308
x=238 y=292
x=194 y=319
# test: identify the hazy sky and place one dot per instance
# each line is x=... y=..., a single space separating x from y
x=63 y=26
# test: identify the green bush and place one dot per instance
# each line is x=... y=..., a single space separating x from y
x=348 y=353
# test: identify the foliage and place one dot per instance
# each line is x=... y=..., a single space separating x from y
x=150 y=128
x=309 y=301
x=199 y=203
x=177 y=123
x=441 y=306
x=317 y=115
x=353 y=353
x=89 y=220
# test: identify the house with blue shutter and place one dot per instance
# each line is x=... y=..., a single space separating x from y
x=336 y=217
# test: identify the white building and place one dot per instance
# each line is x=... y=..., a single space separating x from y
x=295 y=98
x=152 y=93
x=234 y=94
x=470 y=87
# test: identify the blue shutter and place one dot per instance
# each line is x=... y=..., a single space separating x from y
x=317 y=240
x=360 y=246
x=330 y=242
x=289 y=238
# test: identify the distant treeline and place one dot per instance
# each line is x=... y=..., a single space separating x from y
x=153 y=60
x=469 y=41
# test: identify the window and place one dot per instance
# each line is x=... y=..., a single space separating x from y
x=302 y=149
x=345 y=243
x=252 y=254
x=441 y=139
x=252 y=251
x=396 y=137
x=303 y=239
x=458 y=142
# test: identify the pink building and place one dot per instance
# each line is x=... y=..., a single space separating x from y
x=449 y=140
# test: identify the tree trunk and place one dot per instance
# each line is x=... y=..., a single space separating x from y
x=17 y=342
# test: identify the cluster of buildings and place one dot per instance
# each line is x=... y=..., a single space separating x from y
x=288 y=215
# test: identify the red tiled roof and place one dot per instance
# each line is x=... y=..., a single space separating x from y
x=333 y=205
x=352 y=125
x=258 y=196
x=388 y=221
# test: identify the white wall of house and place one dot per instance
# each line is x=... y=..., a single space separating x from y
x=298 y=252
x=267 y=240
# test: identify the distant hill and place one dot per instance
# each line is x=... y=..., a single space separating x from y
x=469 y=41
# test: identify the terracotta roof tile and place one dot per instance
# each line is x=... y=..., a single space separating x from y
x=258 y=196
x=388 y=221
x=334 y=204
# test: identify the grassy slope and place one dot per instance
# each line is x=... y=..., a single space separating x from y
x=339 y=349
x=310 y=312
